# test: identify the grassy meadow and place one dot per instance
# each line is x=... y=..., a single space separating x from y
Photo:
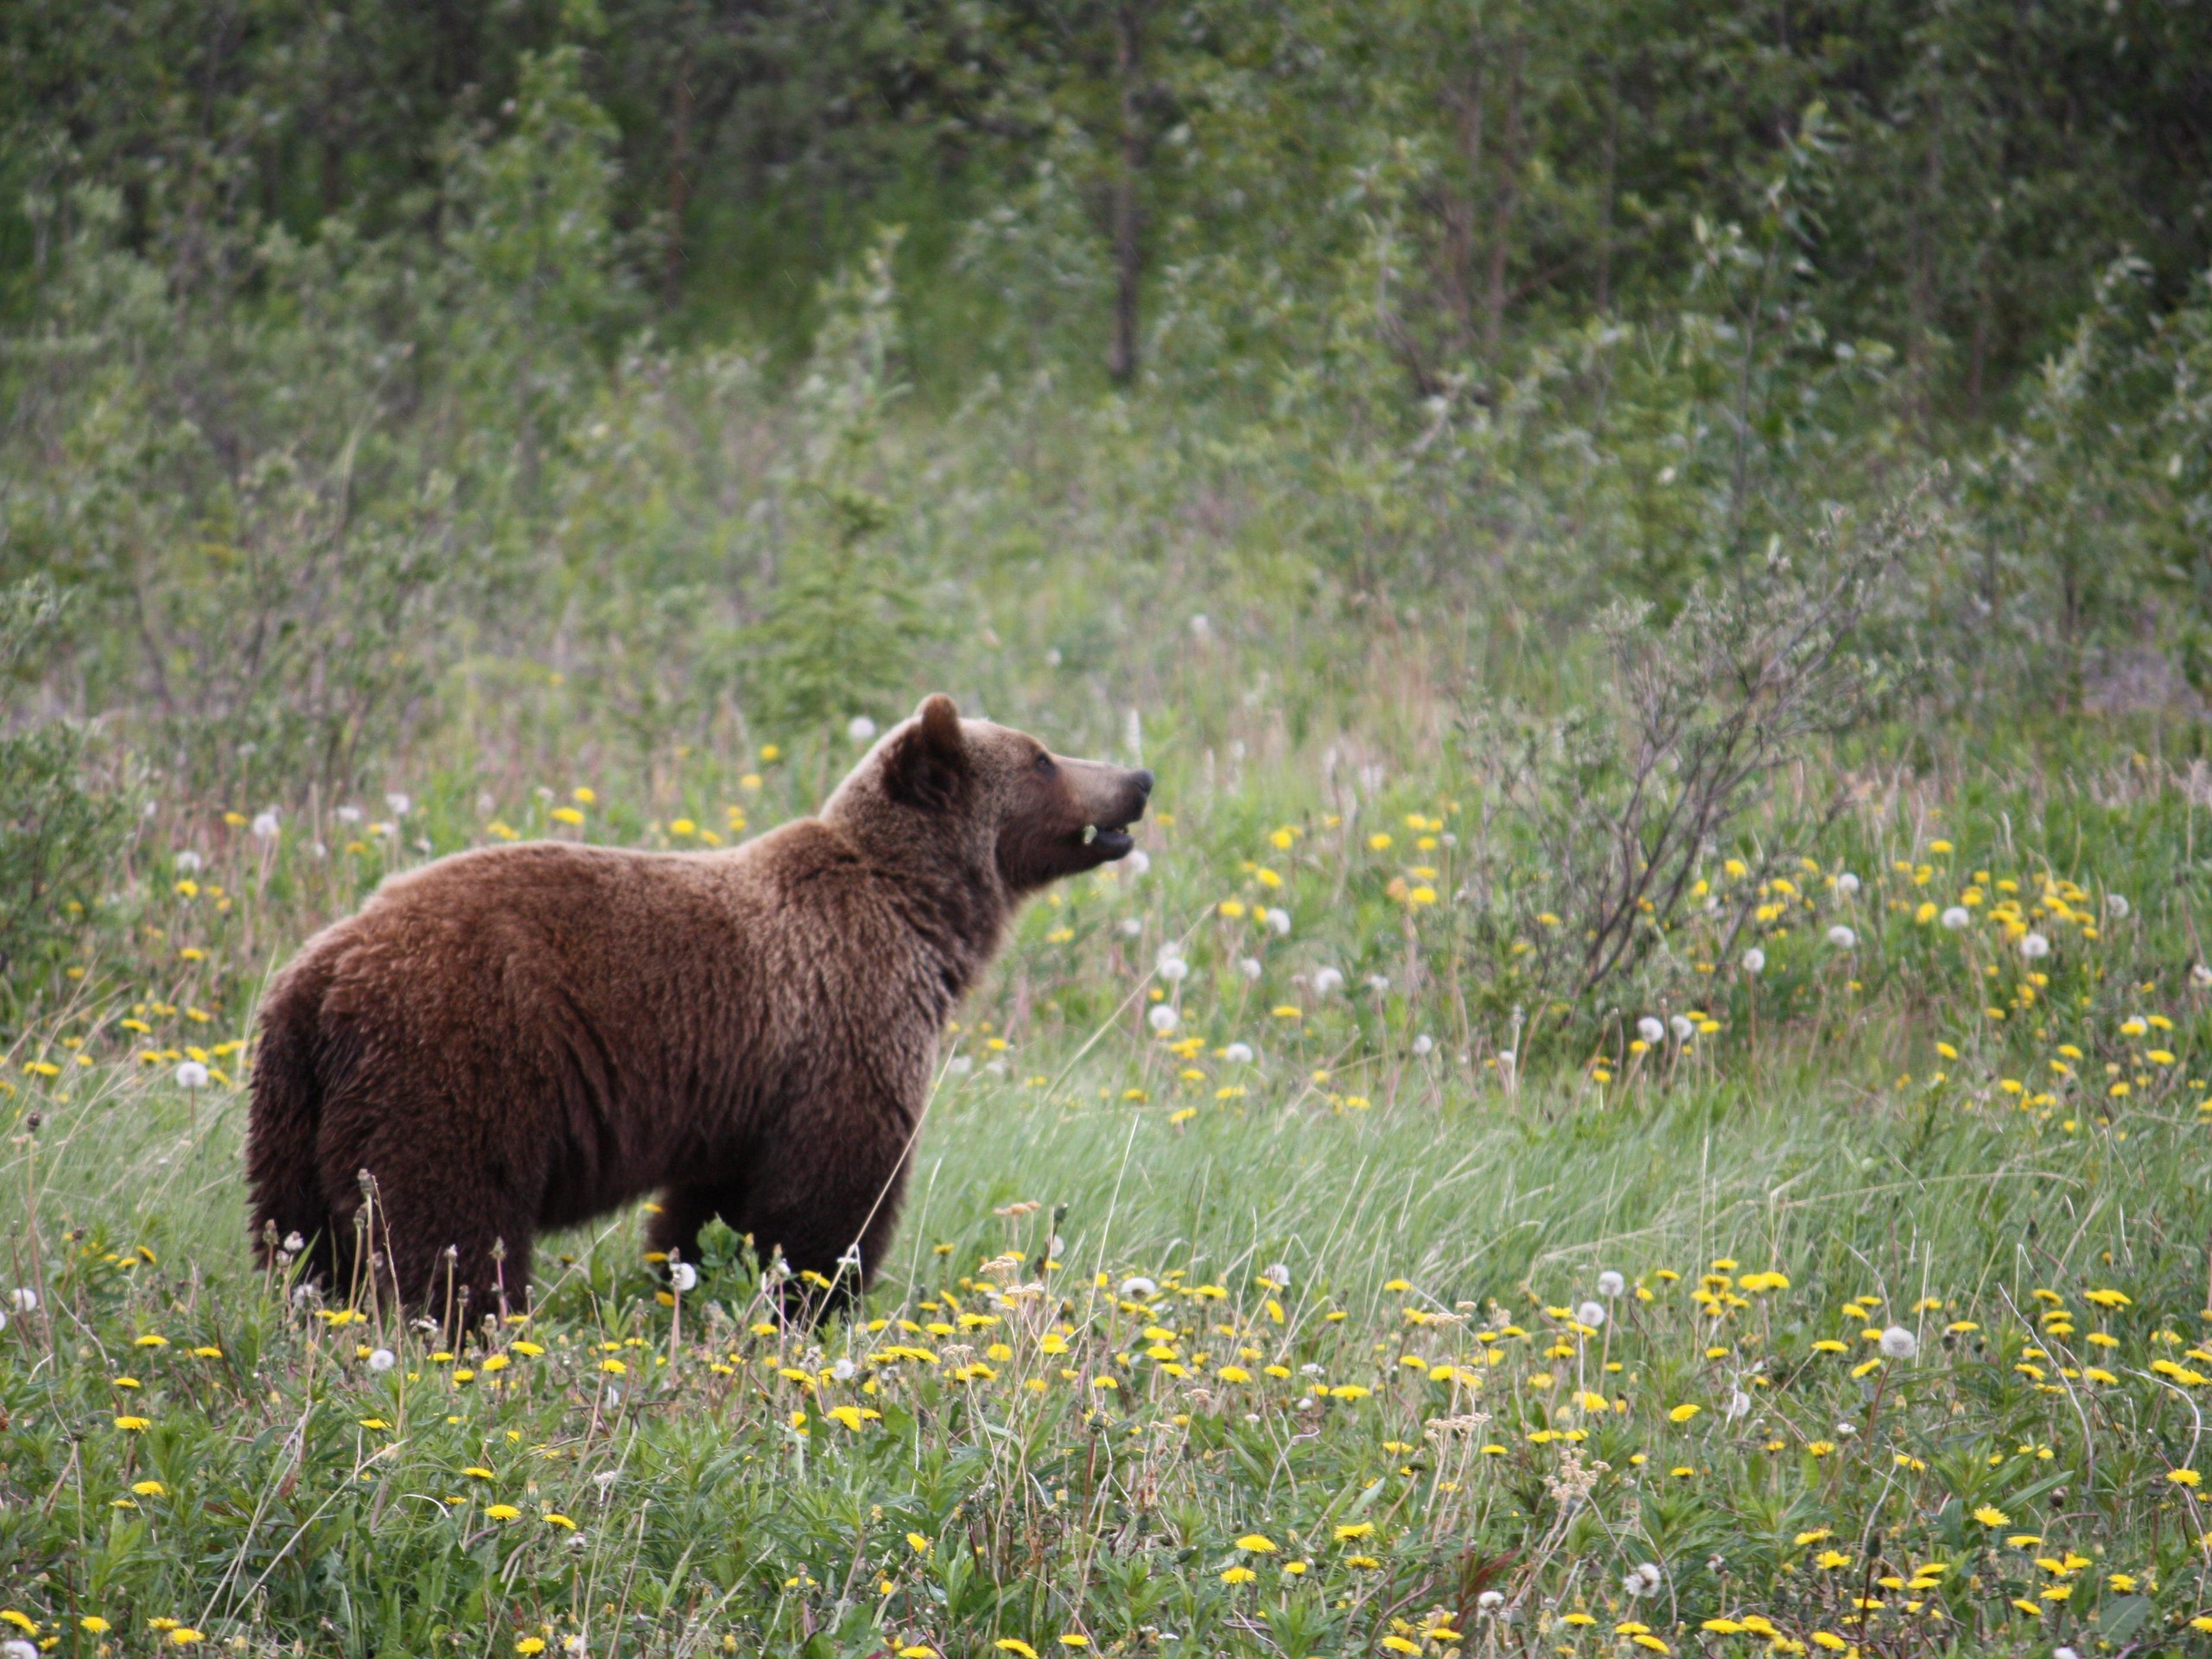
x=1650 y=1092
x=1268 y=1284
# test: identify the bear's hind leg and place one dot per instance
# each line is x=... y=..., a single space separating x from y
x=685 y=1209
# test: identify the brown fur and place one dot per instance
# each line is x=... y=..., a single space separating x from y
x=524 y=1037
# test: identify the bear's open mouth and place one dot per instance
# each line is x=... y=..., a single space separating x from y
x=1112 y=840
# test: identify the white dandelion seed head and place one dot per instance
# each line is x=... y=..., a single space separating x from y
x=305 y=1295
x=1841 y=937
x=265 y=826
x=1681 y=1026
x=1846 y=1429
x=1327 y=980
x=3 y=1321
x=294 y=1243
x=2116 y=906
x=1249 y=967
x=16 y=1648
x=1740 y=1405
x=844 y=1371
x=189 y=862
x=1312 y=1369
x=1591 y=1313
x=1131 y=926
x=2202 y=974
x=683 y=1277
x=1136 y=862
x=349 y=814
x=382 y=1359
x=1275 y=1276
x=614 y=1396
x=1651 y=1030
x=1138 y=1288
x=2034 y=947
x=1172 y=967
x=1642 y=1580
x=861 y=729
x=1378 y=984
x=1898 y=1343
x=1847 y=884
x=960 y=1065
x=1424 y=1045
x=2063 y=1652
x=1278 y=920
x=400 y=803
x=1163 y=1019
x=1610 y=1283
x=23 y=1300
x=1237 y=1053
x=1200 y=625
x=1956 y=918
x=1490 y=1601
x=1755 y=961
x=192 y=1075
x=1505 y=1059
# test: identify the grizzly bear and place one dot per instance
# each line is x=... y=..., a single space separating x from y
x=524 y=1037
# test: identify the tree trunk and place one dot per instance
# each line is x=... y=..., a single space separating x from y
x=679 y=172
x=1129 y=249
x=1503 y=205
x=1605 y=194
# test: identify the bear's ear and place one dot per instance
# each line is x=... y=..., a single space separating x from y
x=924 y=767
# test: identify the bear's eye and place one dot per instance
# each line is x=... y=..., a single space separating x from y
x=1045 y=763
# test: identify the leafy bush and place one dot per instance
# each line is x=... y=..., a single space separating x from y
x=57 y=833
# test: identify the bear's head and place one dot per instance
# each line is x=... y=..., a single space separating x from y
x=997 y=796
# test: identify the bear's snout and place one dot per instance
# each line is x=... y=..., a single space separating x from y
x=1114 y=807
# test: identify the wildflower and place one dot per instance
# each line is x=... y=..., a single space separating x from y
x=1275 y=1276
x=23 y=1300
x=1138 y=1288
x=1740 y=1405
x=1611 y=1284
x=1956 y=918
x=1754 y=960
x=1256 y=1543
x=1238 y=1575
x=531 y=1645
x=1898 y=1343
x=1591 y=1313
x=1278 y=920
x=1248 y=966
x=1237 y=1053
x=682 y=1277
x=1642 y=1580
x=1842 y=937
x=1327 y=980
x=1847 y=884
x=1682 y=1413
x=1163 y=1019
x=382 y=1359
x=1651 y=1030
x=1683 y=1025
x=190 y=1074
x=2116 y=906
x=2187 y=1477
x=265 y=826
x=1172 y=965
x=184 y=1636
x=1990 y=1516
x=2034 y=947
x=861 y=729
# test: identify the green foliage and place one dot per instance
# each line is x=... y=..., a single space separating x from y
x=58 y=832
x=840 y=623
